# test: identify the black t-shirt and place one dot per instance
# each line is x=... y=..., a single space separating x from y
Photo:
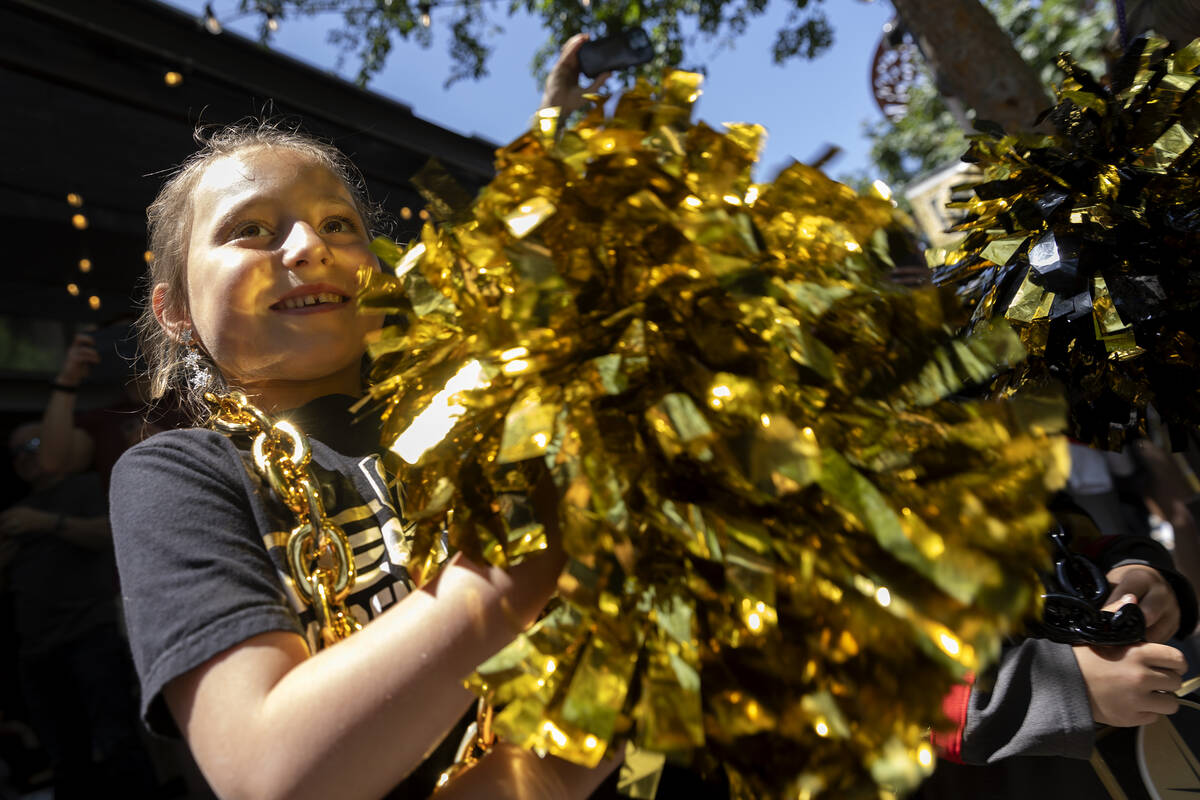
x=61 y=590
x=200 y=543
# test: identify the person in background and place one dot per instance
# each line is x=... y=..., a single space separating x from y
x=93 y=439
x=63 y=447
x=1027 y=727
x=56 y=561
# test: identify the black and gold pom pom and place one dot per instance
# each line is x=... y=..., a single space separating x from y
x=1087 y=241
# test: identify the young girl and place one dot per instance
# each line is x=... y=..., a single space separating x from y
x=258 y=239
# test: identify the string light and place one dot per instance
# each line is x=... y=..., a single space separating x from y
x=272 y=22
x=148 y=256
x=73 y=289
x=94 y=303
x=406 y=213
x=424 y=214
x=172 y=78
x=85 y=265
x=426 y=19
x=74 y=200
x=79 y=221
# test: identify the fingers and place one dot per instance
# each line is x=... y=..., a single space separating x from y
x=83 y=349
x=570 y=48
x=1162 y=613
x=1153 y=595
x=563 y=81
x=1161 y=680
x=1164 y=676
x=568 y=57
x=1120 y=602
x=597 y=84
x=1133 y=685
x=83 y=352
x=1162 y=657
x=1117 y=598
x=1161 y=703
x=81 y=356
x=1136 y=578
x=1164 y=627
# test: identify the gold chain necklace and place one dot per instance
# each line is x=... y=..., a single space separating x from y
x=319 y=555
x=318 y=552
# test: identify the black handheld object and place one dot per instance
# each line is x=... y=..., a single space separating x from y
x=1071 y=611
x=623 y=49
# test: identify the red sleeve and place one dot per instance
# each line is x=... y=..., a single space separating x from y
x=1094 y=548
x=948 y=740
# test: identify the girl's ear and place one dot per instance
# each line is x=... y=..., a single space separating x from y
x=173 y=319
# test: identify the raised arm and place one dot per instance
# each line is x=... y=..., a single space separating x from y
x=562 y=84
x=66 y=448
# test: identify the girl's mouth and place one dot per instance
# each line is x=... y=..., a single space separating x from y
x=316 y=301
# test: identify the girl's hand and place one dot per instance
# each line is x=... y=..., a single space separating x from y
x=508 y=772
x=1153 y=595
x=562 y=85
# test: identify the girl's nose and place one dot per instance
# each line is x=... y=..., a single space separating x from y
x=304 y=247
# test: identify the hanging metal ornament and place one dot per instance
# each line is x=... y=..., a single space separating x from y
x=894 y=69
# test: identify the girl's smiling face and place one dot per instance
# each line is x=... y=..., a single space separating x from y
x=276 y=242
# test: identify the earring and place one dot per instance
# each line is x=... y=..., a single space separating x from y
x=199 y=376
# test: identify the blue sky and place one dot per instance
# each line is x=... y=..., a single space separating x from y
x=803 y=104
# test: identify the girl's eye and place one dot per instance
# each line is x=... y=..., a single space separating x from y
x=338 y=225
x=249 y=230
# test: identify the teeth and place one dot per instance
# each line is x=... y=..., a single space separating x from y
x=312 y=300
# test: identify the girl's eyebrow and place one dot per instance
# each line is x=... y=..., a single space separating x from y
x=232 y=216
x=345 y=202
x=238 y=210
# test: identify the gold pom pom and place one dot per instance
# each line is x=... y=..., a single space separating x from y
x=786 y=542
